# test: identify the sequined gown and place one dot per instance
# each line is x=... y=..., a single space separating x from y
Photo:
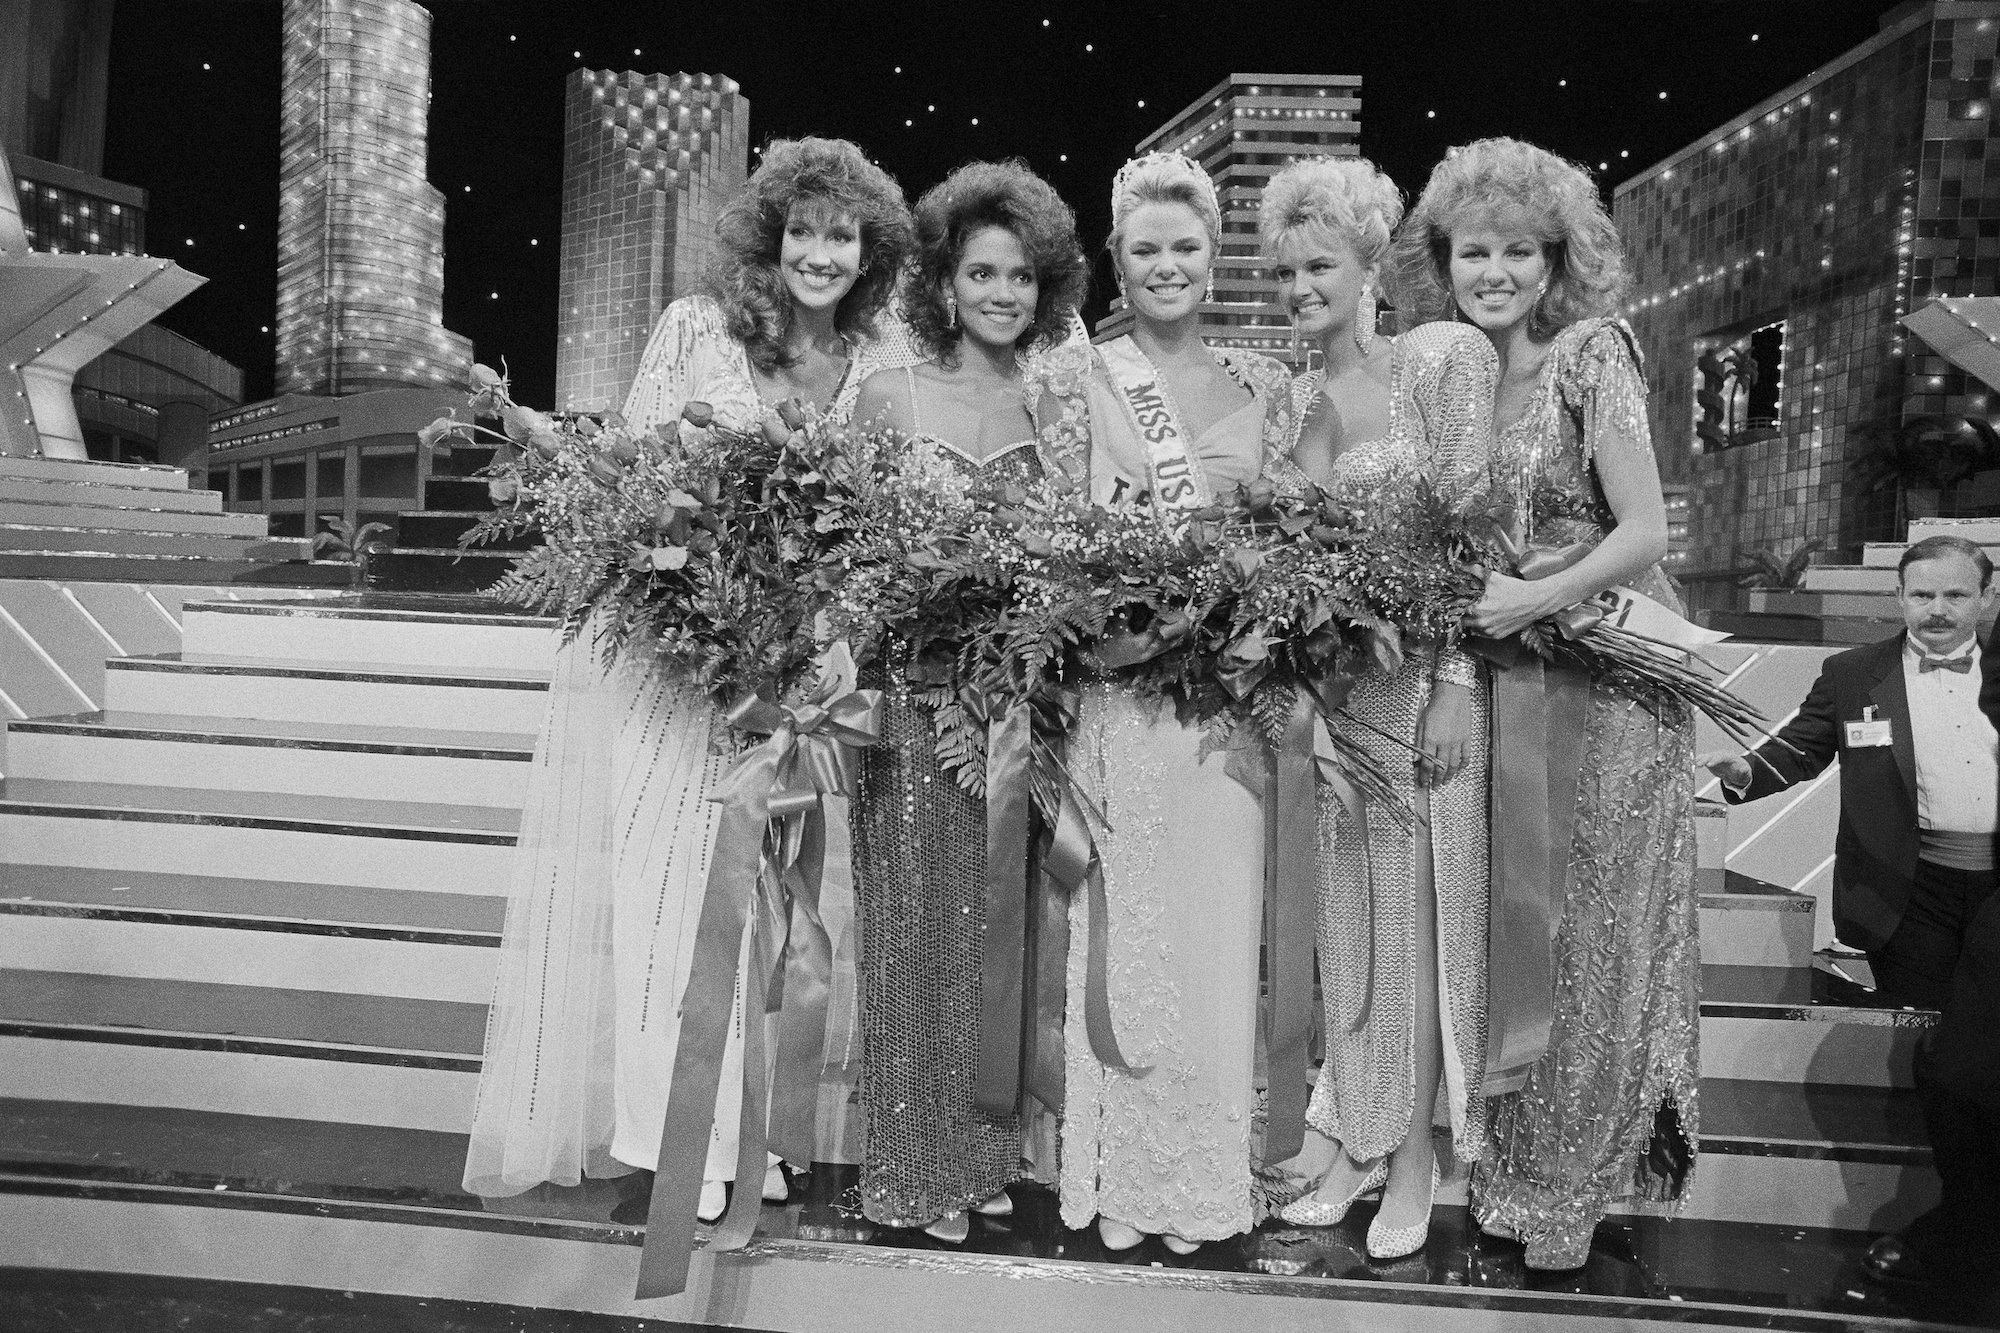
x=1167 y=1152
x=1440 y=423
x=1624 y=1043
x=920 y=886
x=607 y=881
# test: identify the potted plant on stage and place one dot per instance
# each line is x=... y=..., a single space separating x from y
x=345 y=541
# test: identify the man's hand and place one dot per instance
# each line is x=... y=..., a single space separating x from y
x=1732 y=767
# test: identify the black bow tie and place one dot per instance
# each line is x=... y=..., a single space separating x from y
x=1959 y=664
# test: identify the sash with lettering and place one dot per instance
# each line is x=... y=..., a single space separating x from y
x=1142 y=396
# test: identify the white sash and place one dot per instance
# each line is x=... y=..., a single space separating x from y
x=1143 y=397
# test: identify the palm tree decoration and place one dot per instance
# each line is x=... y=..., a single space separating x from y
x=344 y=541
x=1924 y=453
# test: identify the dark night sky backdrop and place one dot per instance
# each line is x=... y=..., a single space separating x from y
x=204 y=141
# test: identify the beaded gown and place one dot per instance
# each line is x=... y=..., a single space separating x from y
x=608 y=877
x=1623 y=1058
x=920 y=886
x=1440 y=423
x=1166 y=1152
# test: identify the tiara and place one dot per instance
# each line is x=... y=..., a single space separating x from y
x=1180 y=164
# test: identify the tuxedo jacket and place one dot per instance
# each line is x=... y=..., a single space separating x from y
x=1875 y=851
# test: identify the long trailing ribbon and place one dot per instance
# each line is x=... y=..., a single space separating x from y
x=1286 y=782
x=1538 y=719
x=770 y=800
x=1020 y=1032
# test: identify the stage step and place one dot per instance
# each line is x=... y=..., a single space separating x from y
x=1813 y=1154
x=350 y=910
x=1749 y=922
x=439 y=569
x=21 y=539
x=45 y=514
x=1799 y=1025
x=249 y=1050
x=366 y=630
x=470 y=697
x=229 y=1184
x=150 y=476
x=317 y=839
x=241 y=754
x=108 y=494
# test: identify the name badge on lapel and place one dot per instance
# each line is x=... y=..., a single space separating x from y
x=1870 y=732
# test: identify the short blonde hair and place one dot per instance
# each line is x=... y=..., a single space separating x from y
x=1164 y=178
x=1345 y=198
x=1509 y=183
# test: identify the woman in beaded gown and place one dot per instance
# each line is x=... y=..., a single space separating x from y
x=997 y=274
x=1163 y=1149
x=1516 y=240
x=612 y=862
x=1399 y=906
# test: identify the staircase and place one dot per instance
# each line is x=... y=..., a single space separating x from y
x=1851 y=604
x=128 y=523
x=426 y=556
x=249 y=918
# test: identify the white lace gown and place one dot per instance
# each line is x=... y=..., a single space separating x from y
x=1168 y=1151
x=608 y=877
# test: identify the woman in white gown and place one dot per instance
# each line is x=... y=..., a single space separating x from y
x=997 y=274
x=1401 y=907
x=1163 y=1147
x=612 y=862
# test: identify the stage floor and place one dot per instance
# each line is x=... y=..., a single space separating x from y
x=1642 y=1269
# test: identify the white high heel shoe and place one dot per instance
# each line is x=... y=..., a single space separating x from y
x=1398 y=1242
x=1311 y=1211
x=776 y=1188
x=952 y=1228
x=714 y=1200
x=1117 y=1236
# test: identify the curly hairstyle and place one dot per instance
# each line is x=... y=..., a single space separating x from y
x=1342 y=198
x=1508 y=184
x=829 y=178
x=1164 y=178
x=992 y=194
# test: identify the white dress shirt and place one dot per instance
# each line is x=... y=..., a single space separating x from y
x=1957 y=750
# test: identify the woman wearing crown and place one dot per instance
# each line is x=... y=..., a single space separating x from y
x=1161 y=1146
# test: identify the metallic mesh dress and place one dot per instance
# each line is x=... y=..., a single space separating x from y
x=1440 y=423
x=1623 y=1061
x=920 y=886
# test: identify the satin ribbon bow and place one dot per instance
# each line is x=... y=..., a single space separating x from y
x=770 y=800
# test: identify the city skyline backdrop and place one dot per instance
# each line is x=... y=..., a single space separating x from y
x=194 y=114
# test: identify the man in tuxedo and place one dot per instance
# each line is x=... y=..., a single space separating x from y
x=1913 y=721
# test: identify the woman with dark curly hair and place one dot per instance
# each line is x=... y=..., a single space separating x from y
x=615 y=832
x=997 y=274
x=1591 y=1068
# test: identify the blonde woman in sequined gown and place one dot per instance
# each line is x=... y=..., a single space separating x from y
x=1401 y=907
x=997 y=274
x=1164 y=1152
x=612 y=864
x=1516 y=241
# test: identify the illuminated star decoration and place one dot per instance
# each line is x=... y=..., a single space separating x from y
x=58 y=313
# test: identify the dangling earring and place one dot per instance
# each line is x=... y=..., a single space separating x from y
x=1364 y=321
x=951 y=309
x=1209 y=296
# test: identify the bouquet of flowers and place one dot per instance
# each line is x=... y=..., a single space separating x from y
x=687 y=543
